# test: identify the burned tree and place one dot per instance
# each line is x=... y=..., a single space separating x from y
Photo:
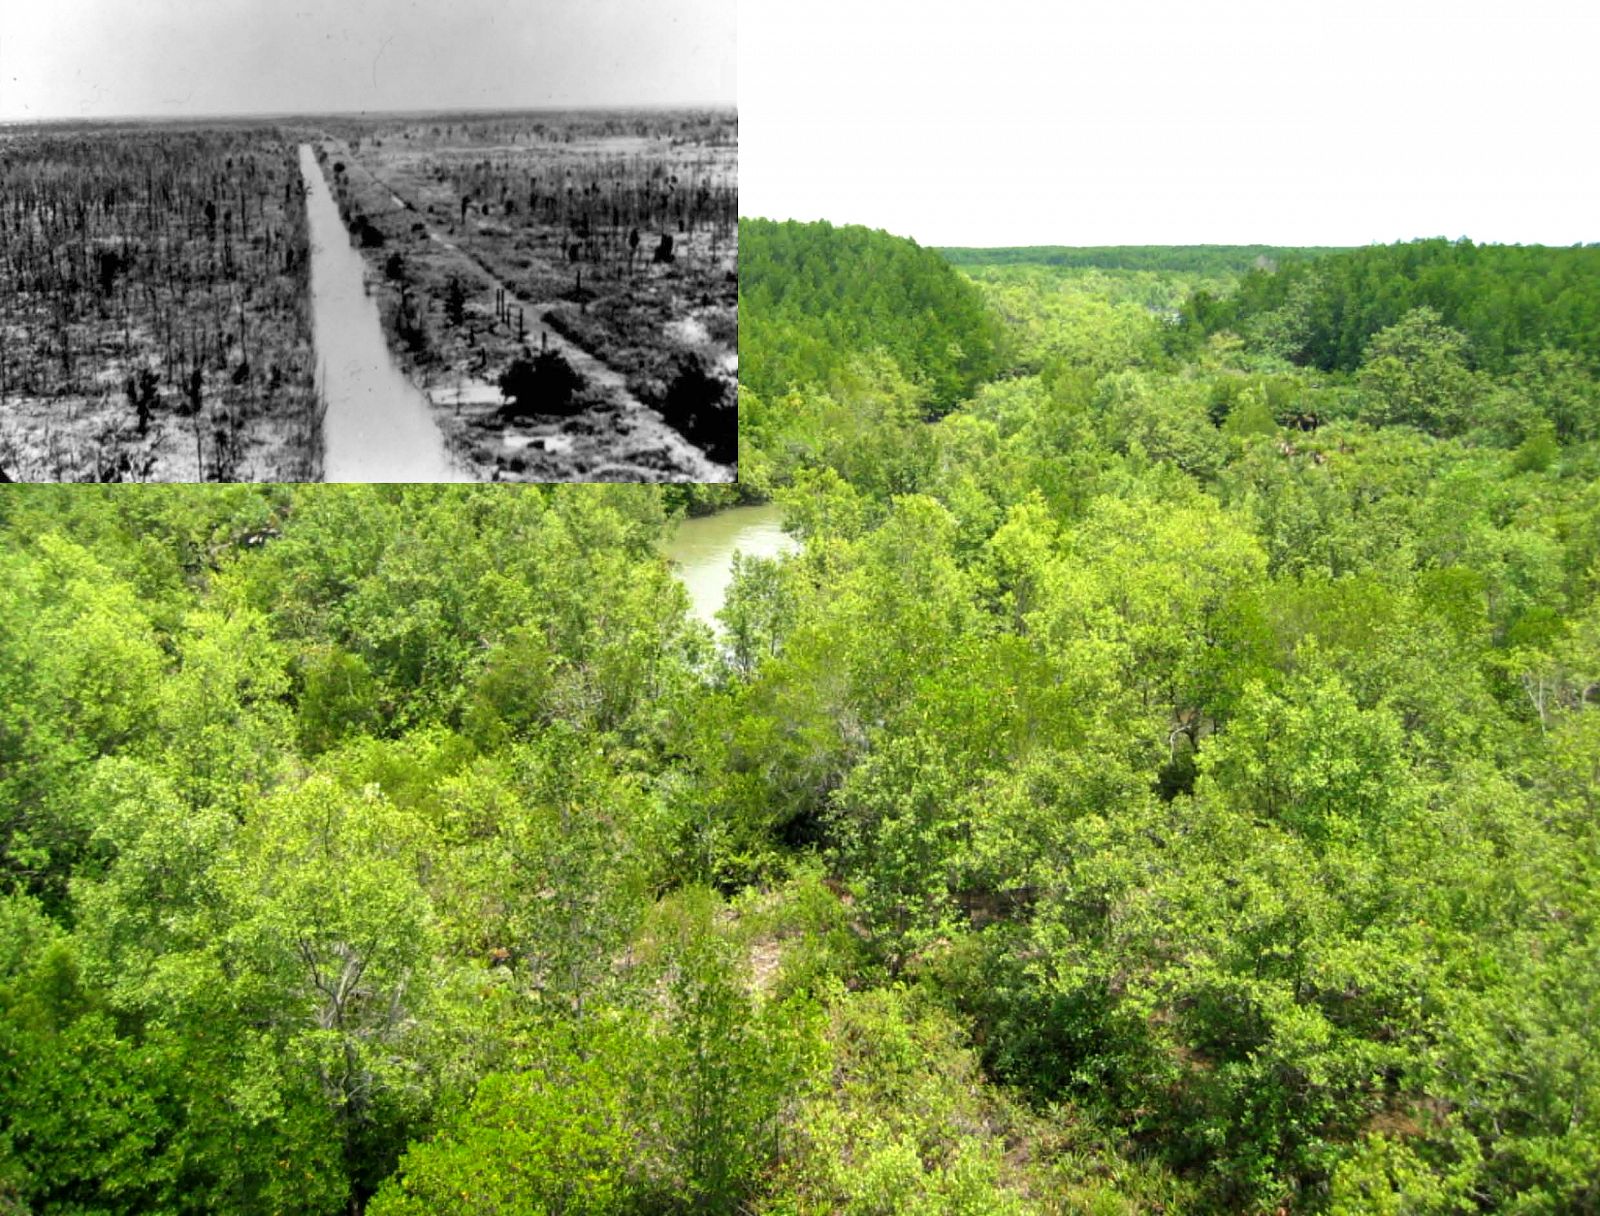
x=455 y=301
x=144 y=395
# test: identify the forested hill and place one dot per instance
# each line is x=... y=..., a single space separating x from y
x=1508 y=300
x=1183 y=259
x=812 y=297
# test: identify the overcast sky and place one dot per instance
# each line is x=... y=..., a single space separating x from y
x=96 y=58
x=1002 y=122
x=989 y=122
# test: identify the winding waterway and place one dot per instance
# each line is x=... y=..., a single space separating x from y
x=379 y=426
x=701 y=551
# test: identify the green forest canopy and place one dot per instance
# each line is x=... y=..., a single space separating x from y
x=1508 y=300
x=812 y=295
x=1167 y=781
x=1186 y=259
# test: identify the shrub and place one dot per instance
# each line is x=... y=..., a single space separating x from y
x=545 y=384
x=701 y=406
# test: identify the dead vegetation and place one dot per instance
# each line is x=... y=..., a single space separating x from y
x=611 y=239
x=154 y=307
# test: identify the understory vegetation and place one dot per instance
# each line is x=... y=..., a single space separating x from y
x=1165 y=779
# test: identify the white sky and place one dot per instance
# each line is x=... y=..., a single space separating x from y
x=1013 y=122
x=98 y=58
x=990 y=123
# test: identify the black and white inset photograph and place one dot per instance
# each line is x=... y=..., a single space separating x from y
x=378 y=241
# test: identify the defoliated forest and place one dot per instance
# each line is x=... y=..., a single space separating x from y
x=1165 y=779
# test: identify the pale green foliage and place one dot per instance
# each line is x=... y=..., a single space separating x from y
x=1250 y=415
x=554 y=1136
x=552 y=871
x=222 y=712
x=1073 y=319
x=902 y=1127
x=325 y=941
x=1153 y=602
x=1310 y=757
x=727 y=1064
x=902 y=827
x=161 y=884
x=80 y=672
x=1384 y=1177
x=867 y=425
x=1160 y=419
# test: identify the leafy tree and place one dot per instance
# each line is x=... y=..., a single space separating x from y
x=325 y=945
x=727 y=1063
x=1508 y=300
x=559 y=1135
x=1165 y=423
x=1417 y=370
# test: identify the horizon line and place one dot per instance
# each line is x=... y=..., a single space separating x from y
x=940 y=246
x=380 y=112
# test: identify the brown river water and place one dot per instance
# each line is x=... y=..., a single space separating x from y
x=701 y=551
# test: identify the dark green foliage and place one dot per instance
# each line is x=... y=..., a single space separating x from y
x=811 y=296
x=1508 y=300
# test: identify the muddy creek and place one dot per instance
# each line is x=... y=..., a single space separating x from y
x=379 y=426
x=701 y=551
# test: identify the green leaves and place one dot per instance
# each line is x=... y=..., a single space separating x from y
x=1162 y=421
x=1417 y=370
x=555 y=1137
x=1121 y=802
x=812 y=295
x=901 y=828
x=675 y=1106
x=1506 y=299
x=1310 y=758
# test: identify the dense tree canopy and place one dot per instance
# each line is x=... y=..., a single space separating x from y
x=1506 y=300
x=1166 y=781
x=812 y=296
x=1167 y=259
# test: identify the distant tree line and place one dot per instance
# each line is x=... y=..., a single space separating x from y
x=1508 y=300
x=1187 y=259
